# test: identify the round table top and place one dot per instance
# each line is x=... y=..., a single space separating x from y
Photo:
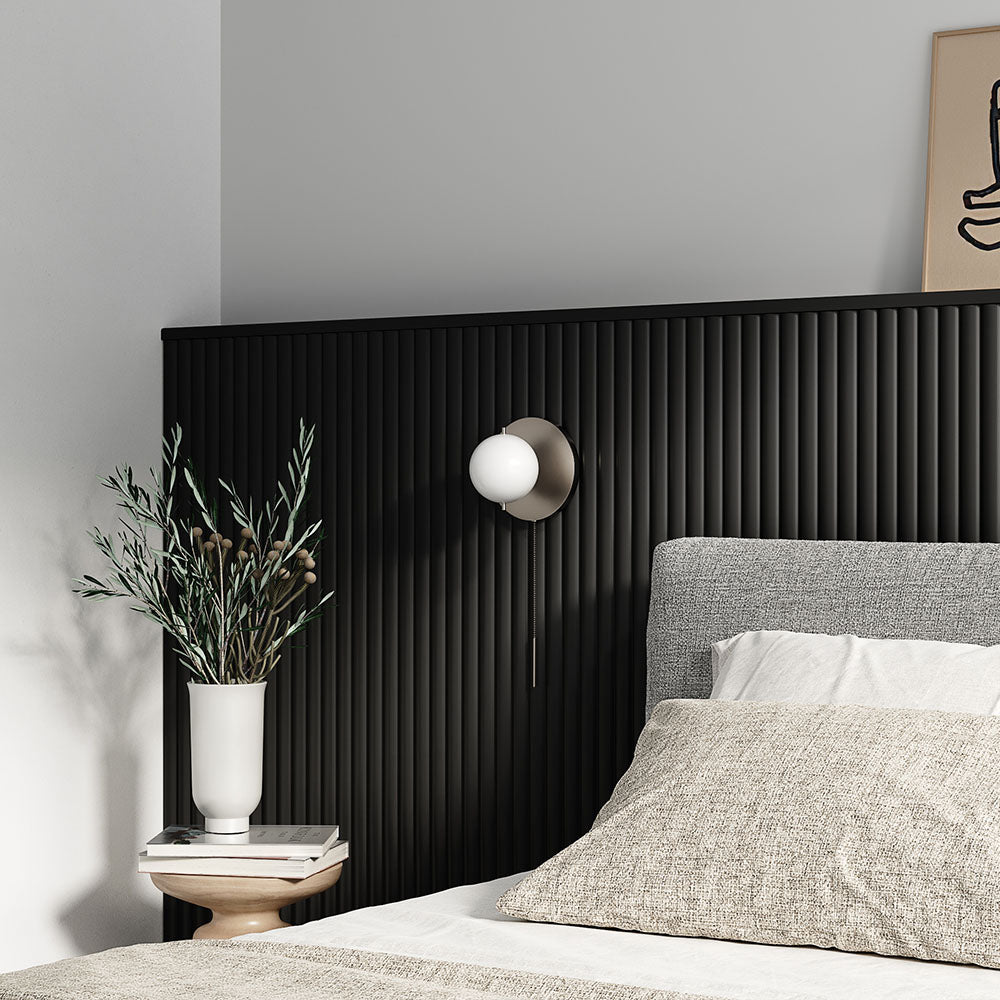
x=234 y=890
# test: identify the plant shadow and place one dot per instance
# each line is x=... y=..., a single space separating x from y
x=103 y=662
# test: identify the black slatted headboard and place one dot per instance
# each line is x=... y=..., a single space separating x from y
x=408 y=716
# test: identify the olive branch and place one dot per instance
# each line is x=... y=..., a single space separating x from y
x=229 y=607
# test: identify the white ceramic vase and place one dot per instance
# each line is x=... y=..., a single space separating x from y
x=227 y=753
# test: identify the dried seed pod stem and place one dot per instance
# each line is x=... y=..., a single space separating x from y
x=227 y=624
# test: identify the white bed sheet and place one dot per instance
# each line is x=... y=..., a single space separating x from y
x=463 y=925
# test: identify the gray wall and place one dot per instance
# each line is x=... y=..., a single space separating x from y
x=391 y=157
x=109 y=210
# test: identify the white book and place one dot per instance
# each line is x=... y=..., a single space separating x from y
x=260 y=842
x=291 y=868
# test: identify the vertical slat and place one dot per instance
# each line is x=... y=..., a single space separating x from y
x=592 y=588
x=574 y=684
x=350 y=606
x=326 y=695
x=886 y=408
x=604 y=608
x=467 y=435
x=949 y=445
x=536 y=735
x=770 y=428
x=659 y=422
x=867 y=437
x=311 y=684
x=750 y=426
x=714 y=425
x=390 y=625
x=356 y=649
x=427 y=853
x=452 y=724
x=487 y=421
x=267 y=431
x=967 y=386
x=908 y=488
x=439 y=734
x=281 y=682
x=641 y=500
x=695 y=427
x=731 y=357
x=788 y=426
x=928 y=440
x=677 y=437
x=254 y=422
x=411 y=860
x=504 y=722
x=847 y=425
x=808 y=379
x=298 y=655
x=520 y=667
x=548 y=395
x=294 y=659
x=828 y=441
x=989 y=389
x=371 y=650
x=620 y=466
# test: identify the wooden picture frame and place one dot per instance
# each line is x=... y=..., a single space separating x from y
x=962 y=209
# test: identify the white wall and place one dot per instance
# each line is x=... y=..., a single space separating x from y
x=109 y=229
x=391 y=157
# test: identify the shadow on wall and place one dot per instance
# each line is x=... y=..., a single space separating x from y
x=106 y=664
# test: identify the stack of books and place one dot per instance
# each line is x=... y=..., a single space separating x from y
x=290 y=852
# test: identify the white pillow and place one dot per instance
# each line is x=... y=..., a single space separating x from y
x=848 y=670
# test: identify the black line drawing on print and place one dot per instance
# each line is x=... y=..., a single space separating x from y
x=987 y=197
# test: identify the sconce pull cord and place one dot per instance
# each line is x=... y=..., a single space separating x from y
x=534 y=600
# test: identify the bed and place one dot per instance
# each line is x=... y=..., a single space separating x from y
x=456 y=944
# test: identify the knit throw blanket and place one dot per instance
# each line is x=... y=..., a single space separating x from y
x=238 y=970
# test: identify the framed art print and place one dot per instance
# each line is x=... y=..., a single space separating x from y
x=962 y=213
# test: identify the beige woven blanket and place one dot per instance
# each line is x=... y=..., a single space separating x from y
x=239 y=970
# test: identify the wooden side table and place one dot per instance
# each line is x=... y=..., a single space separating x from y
x=242 y=905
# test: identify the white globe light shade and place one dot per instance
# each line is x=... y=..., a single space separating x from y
x=503 y=468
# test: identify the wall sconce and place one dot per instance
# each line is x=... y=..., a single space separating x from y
x=529 y=468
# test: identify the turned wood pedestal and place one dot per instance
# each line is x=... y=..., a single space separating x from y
x=242 y=905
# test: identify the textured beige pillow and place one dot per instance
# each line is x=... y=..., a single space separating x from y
x=863 y=829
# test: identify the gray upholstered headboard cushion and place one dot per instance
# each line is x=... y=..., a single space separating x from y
x=704 y=589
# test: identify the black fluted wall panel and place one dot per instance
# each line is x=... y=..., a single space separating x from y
x=407 y=715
